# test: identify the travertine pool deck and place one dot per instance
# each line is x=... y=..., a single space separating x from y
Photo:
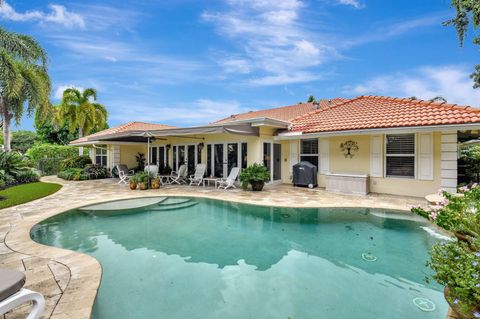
x=69 y=280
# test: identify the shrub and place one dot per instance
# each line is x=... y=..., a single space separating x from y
x=254 y=173
x=471 y=156
x=456 y=264
x=96 y=172
x=73 y=174
x=75 y=162
x=29 y=176
x=12 y=163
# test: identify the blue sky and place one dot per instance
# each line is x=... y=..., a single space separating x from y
x=188 y=62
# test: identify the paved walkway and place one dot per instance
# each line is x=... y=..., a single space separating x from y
x=69 y=280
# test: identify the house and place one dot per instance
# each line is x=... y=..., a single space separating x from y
x=388 y=145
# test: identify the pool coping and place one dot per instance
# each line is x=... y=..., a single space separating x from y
x=78 y=299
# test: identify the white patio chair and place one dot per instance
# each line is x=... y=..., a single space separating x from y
x=152 y=169
x=12 y=294
x=124 y=173
x=197 y=178
x=229 y=182
x=180 y=176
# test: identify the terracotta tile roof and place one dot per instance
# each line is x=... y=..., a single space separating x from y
x=283 y=113
x=127 y=127
x=368 y=112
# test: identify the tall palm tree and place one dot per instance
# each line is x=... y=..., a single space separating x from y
x=23 y=79
x=80 y=111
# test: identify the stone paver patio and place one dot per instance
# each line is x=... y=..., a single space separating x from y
x=69 y=280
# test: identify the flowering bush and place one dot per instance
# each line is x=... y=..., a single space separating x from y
x=457 y=263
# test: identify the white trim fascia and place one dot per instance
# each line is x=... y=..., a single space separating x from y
x=394 y=130
x=92 y=143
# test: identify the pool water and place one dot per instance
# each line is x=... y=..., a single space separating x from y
x=202 y=258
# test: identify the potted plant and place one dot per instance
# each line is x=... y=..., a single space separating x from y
x=255 y=175
x=456 y=263
x=142 y=180
x=133 y=183
x=155 y=183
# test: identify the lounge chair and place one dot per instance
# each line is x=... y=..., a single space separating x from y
x=12 y=294
x=124 y=173
x=179 y=177
x=228 y=182
x=152 y=169
x=197 y=178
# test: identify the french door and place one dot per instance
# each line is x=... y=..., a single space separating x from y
x=272 y=159
x=159 y=155
x=222 y=157
x=188 y=154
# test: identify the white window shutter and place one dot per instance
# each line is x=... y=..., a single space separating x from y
x=324 y=153
x=425 y=156
x=293 y=154
x=376 y=156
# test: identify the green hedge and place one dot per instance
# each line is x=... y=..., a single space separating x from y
x=39 y=151
x=76 y=162
x=48 y=157
x=73 y=174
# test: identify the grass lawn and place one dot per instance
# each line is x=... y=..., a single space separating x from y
x=20 y=194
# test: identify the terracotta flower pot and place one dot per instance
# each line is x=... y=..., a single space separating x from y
x=133 y=186
x=155 y=183
x=143 y=186
x=257 y=185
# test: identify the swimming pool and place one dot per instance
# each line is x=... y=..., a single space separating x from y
x=201 y=258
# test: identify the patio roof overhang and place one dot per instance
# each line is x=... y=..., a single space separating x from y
x=250 y=127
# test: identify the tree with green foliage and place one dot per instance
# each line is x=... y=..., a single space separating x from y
x=471 y=156
x=48 y=131
x=22 y=140
x=23 y=79
x=311 y=99
x=81 y=112
x=467 y=11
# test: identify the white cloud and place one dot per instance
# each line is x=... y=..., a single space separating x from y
x=451 y=82
x=59 y=90
x=197 y=112
x=236 y=66
x=58 y=15
x=354 y=3
x=273 y=39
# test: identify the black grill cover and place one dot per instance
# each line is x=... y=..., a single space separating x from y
x=305 y=174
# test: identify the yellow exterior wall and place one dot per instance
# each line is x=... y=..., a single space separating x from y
x=128 y=152
x=359 y=163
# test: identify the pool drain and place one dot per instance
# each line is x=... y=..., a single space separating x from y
x=424 y=304
x=369 y=257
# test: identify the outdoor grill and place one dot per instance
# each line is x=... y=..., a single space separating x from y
x=305 y=174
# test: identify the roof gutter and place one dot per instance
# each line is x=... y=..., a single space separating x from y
x=409 y=129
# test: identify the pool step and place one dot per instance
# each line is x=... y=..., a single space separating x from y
x=181 y=205
x=174 y=201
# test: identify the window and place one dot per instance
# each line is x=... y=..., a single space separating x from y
x=400 y=155
x=101 y=156
x=309 y=151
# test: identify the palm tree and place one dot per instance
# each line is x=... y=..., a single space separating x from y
x=23 y=79
x=81 y=112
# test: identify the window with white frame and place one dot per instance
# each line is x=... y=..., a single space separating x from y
x=101 y=156
x=400 y=155
x=309 y=151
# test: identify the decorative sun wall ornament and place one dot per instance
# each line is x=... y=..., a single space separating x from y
x=348 y=148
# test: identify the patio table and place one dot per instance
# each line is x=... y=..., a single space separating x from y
x=210 y=179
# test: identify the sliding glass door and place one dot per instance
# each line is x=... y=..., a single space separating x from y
x=187 y=154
